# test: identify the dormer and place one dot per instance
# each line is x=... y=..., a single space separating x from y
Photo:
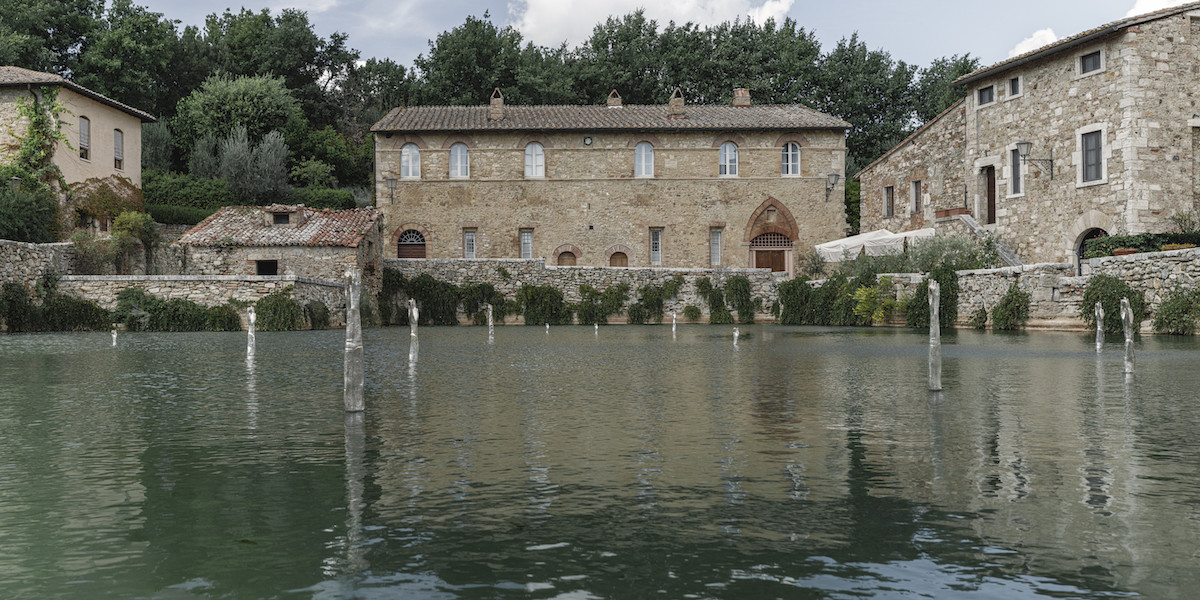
x=278 y=215
x=614 y=99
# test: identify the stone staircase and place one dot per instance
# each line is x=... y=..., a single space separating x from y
x=1009 y=257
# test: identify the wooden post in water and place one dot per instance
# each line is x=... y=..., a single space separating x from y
x=353 y=385
x=935 y=337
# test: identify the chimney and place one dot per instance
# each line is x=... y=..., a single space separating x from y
x=741 y=96
x=614 y=99
x=496 y=110
x=675 y=105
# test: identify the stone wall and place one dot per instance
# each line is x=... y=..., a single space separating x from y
x=25 y=263
x=590 y=204
x=568 y=279
x=207 y=290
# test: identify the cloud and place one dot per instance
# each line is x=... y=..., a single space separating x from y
x=1041 y=37
x=1141 y=7
x=308 y=6
x=552 y=22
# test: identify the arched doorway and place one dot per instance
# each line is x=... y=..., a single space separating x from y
x=770 y=251
x=566 y=259
x=410 y=244
x=1090 y=234
x=618 y=259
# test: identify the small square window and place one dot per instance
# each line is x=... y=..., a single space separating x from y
x=987 y=95
x=279 y=218
x=266 y=267
x=1090 y=62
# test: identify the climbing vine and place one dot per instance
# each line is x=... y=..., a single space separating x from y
x=36 y=152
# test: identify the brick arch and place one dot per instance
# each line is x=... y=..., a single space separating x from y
x=566 y=248
x=643 y=137
x=1092 y=219
x=415 y=140
x=615 y=249
x=729 y=137
x=784 y=224
x=422 y=229
x=454 y=139
x=791 y=137
x=534 y=137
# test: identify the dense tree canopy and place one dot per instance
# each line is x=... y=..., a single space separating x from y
x=273 y=72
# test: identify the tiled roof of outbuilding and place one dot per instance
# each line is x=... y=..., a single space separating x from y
x=1076 y=40
x=16 y=77
x=248 y=226
x=606 y=118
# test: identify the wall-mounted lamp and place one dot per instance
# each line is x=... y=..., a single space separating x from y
x=830 y=182
x=1045 y=164
x=14 y=183
x=391 y=183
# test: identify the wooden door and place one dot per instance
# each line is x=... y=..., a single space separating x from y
x=772 y=259
x=989 y=175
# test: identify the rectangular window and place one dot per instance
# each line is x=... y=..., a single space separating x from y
x=1014 y=180
x=1093 y=154
x=85 y=138
x=1014 y=86
x=714 y=247
x=469 y=243
x=987 y=95
x=280 y=218
x=889 y=201
x=915 y=201
x=1090 y=62
x=526 y=243
x=118 y=149
x=266 y=267
x=656 y=246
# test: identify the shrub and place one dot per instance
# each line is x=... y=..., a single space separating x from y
x=595 y=306
x=179 y=315
x=17 y=307
x=543 y=304
x=67 y=313
x=1108 y=291
x=93 y=256
x=224 y=317
x=918 y=306
x=737 y=291
x=278 y=311
x=874 y=302
x=718 y=314
x=28 y=213
x=978 y=319
x=318 y=197
x=178 y=215
x=473 y=298
x=692 y=312
x=794 y=296
x=652 y=301
x=134 y=307
x=1178 y=313
x=437 y=300
x=317 y=314
x=174 y=189
x=1013 y=309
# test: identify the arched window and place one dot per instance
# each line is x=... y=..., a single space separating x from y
x=85 y=138
x=460 y=162
x=535 y=160
x=643 y=160
x=618 y=259
x=791 y=159
x=118 y=149
x=728 y=160
x=410 y=162
x=566 y=259
x=410 y=245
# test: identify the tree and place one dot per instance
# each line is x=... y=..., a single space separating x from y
x=623 y=54
x=47 y=35
x=934 y=90
x=128 y=55
x=259 y=104
x=467 y=62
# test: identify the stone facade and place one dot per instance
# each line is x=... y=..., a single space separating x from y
x=509 y=275
x=25 y=263
x=588 y=205
x=1123 y=90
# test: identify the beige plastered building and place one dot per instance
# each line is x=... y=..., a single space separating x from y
x=671 y=185
x=1113 y=124
x=103 y=136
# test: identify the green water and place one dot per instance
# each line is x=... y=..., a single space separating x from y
x=628 y=463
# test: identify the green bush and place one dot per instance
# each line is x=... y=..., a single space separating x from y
x=692 y=312
x=278 y=311
x=134 y=307
x=543 y=304
x=794 y=296
x=652 y=301
x=1178 y=313
x=140 y=311
x=978 y=319
x=27 y=215
x=437 y=300
x=17 y=308
x=595 y=306
x=737 y=292
x=1012 y=311
x=1143 y=242
x=224 y=317
x=475 y=296
x=175 y=189
x=179 y=315
x=1108 y=291
x=317 y=314
x=918 y=306
x=718 y=313
x=67 y=313
x=318 y=197
x=178 y=215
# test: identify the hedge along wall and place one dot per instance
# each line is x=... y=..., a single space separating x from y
x=1056 y=291
x=207 y=290
x=567 y=280
x=25 y=263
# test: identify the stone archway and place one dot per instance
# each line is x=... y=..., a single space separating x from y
x=1081 y=228
x=411 y=241
x=771 y=234
x=566 y=255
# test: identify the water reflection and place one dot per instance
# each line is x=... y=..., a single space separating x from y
x=809 y=461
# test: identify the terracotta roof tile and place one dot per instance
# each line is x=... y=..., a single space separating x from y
x=1075 y=40
x=16 y=76
x=602 y=118
x=248 y=226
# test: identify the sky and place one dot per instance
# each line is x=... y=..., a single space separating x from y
x=914 y=31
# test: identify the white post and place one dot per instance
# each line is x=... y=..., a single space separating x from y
x=491 y=325
x=1099 y=327
x=353 y=371
x=250 y=318
x=414 y=315
x=935 y=337
x=1127 y=323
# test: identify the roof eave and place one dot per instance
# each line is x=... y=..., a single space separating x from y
x=1039 y=54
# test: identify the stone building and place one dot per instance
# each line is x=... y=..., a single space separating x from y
x=1114 y=145
x=285 y=240
x=616 y=185
x=103 y=136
